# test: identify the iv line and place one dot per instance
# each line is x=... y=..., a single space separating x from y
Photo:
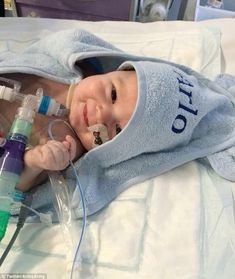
x=57 y=193
x=84 y=218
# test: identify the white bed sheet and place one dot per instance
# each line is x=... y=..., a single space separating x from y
x=176 y=226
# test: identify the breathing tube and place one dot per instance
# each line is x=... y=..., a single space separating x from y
x=43 y=104
x=11 y=159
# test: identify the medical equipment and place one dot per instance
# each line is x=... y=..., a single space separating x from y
x=11 y=158
x=63 y=206
x=43 y=104
x=12 y=148
x=11 y=164
x=100 y=134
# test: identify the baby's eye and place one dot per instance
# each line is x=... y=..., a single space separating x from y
x=113 y=95
x=118 y=129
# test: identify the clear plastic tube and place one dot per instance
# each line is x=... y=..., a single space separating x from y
x=76 y=254
x=14 y=84
x=10 y=91
x=62 y=204
x=49 y=106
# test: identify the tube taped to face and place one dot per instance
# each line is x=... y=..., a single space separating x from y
x=99 y=131
x=100 y=134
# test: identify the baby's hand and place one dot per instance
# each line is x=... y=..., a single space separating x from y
x=54 y=155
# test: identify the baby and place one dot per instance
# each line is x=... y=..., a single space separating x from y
x=168 y=113
x=107 y=99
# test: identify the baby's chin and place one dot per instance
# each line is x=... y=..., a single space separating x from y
x=85 y=138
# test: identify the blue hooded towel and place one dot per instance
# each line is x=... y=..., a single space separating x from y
x=179 y=116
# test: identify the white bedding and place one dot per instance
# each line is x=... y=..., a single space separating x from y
x=179 y=225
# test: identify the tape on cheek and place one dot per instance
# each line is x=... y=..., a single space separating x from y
x=100 y=134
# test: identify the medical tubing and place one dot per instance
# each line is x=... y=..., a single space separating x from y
x=16 y=85
x=13 y=147
x=48 y=106
x=64 y=212
x=63 y=209
x=26 y=202
x=61 y=199
x=63 y=203
x=78 y=185
x=11 y=93
x=11 y=161
x=44 y=104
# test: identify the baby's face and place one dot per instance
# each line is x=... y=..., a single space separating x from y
x=107 y=99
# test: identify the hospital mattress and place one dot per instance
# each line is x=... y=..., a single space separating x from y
x=179 y=225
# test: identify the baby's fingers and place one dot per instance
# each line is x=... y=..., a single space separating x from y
x=54 y=155
x=70 y=144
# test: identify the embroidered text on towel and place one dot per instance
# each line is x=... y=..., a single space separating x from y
x=180 y=121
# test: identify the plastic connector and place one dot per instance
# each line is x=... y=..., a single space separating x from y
x=7 y=93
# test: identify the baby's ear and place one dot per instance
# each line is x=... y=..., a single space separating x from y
x=223 y=163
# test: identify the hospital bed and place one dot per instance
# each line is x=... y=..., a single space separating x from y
x=179 y=225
